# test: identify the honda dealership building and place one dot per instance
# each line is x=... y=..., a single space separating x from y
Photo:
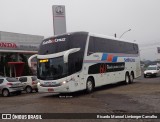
x=15 y=48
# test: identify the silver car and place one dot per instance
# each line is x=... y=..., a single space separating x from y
x=29 y=83
x=10 y=85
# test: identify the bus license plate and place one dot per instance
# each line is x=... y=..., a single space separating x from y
x=50 y=90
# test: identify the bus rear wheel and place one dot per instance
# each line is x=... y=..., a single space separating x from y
x=89 y=85
x=131 y=78
x=127 y=79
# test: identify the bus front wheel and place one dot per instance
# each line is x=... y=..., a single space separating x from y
x=89 y=85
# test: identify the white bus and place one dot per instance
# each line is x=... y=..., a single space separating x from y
x=82 y=61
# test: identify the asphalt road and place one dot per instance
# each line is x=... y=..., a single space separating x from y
x=143 y=96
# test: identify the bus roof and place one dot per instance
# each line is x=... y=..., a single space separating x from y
x=93 y=34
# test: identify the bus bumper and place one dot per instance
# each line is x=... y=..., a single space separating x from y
x=60 y=89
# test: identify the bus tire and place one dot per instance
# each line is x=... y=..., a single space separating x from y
x=131 y=78
x=127 y=79
x=89 y=85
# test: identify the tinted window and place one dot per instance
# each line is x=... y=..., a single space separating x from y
x=23 y=79
x=34 y=78
x=152 y=68
x=78 y=40
x=91 y=48
x=11 y=79
x=97 y=44
x=63 y=43
x=49 y=46
x=1 y=81
x=75 y=62
x=73 y=40
x=52 y=69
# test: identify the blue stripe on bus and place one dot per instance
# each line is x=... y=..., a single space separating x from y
x=104 y=57
x=114 y=59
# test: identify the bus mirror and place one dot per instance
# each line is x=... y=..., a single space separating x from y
x=66 y=54
x=30 y=58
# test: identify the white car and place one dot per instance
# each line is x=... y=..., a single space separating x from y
x=152 y=70
x=29 y=83
x=10 y=85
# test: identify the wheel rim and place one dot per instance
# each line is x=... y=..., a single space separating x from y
x=89 y=86
x=28 y=89
x=5 y=93
x=127 y=79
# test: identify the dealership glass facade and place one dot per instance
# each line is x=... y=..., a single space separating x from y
x=14 y=48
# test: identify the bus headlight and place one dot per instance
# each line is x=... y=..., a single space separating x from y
x=64 y=82
x=38 y=84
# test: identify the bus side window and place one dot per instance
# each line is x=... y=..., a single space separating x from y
x=136 y=50
x=91 y=47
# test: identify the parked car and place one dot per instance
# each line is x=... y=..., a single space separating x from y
x=29 y=83
x=152 y=70
x=10 y=85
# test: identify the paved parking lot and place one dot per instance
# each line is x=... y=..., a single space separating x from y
x=143 y=96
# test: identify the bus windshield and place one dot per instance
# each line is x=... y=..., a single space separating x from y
x=62 y=43
x=52 y=69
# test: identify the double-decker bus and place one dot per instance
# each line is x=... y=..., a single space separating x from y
x=82 y=61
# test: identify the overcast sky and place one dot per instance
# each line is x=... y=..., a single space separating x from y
x=98 y=16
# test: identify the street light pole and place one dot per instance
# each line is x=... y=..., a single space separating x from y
x=125 y=32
